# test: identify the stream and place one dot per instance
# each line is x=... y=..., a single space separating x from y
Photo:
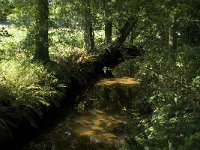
x=97 y=122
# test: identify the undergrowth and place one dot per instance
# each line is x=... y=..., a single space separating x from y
x=27 y=88
x=172 y=88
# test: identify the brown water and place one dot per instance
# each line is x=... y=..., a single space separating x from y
x=98 y=122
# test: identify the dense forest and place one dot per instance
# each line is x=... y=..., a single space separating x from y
x=50 y=49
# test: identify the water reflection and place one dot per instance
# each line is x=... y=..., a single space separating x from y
x=97 y=123
x=113 y=94
x=100 y=128
x=125 y=81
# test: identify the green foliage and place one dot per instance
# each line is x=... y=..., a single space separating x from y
x=170 y=86
x=127 y=68
x=10 y=42
x=65 y=37
x=25 y=89
x=172 y=90
x=5 y=9
x=73 y=63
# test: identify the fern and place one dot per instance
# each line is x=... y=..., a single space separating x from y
x=27 y=89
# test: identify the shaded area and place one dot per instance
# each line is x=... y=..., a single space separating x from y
x=98 y=121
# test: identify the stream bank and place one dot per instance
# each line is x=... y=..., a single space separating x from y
x=87 y=70
x=97 y=122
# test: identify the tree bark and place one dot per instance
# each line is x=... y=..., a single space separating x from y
x=108 y=22
x=113 y=54
x=41 y=36
x=131 y=38
x=88 y=28
x=173 y=34
x=124 y=32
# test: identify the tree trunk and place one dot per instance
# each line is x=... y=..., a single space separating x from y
x=131 y=38
x=41 y=36
x=173 y=37
x=173 y=34
x=108 y=22
x=88 y=28
x=124 y=32
x=113 y=54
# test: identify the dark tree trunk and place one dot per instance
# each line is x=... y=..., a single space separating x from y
x=108 y=22
x=41 y=36
x=173 y=34
x=173 y=37
x=113 y=54
x=88 y=28
x=108 y=32
x=131 y=38
x=124 y=32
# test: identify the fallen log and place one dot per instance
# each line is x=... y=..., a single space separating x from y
x=117 y=52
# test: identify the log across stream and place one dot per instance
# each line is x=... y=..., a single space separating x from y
x=97 y=122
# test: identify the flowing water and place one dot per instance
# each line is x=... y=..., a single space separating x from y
x=98 y=122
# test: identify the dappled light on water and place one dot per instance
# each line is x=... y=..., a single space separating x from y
x=122 y=81
x=98 y=122
x=100 y=127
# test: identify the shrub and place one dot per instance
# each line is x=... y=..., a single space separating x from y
x=172 y=89
x=25 y=89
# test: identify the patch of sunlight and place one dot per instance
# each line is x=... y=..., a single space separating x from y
x=98 y=122
x=123 y=81
x=86 y=133
x=96 y=128
x=99 y=127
